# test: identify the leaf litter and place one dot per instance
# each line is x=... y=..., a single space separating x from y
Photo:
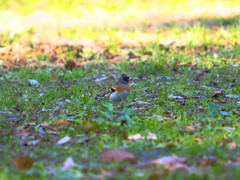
x=64 y=140
x=68 y=163
x=117 y=155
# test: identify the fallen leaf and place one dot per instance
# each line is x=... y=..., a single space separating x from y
x=198 y=139
x=172 y=163
x=25 y=132
x=207 y=161
x=53 y=128
x=190 y=128
x=100 y=79
x=64 y=140
x=23 y=163
x=232 y=145
x=33 y=82
x=68 y=163
x=53 y=78
x=159 y=118
x=176 y=97
x=173 y=159
x=229 y=129
x=177 y=166
x=117 y=155
x=232 y=96
x=136 y=137
x=139 y=103
x=151 y=136
x=62 y=123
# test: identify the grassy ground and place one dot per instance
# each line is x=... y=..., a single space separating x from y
x=52 y=76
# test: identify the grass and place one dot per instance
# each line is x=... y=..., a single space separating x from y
x=179 y=68
x=94 y=120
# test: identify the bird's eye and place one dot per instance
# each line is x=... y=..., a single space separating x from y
x=113 y=90
x=126 y=78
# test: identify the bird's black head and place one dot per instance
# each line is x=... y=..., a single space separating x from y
x=124 y=77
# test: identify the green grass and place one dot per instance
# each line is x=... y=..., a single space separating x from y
x=95 y=120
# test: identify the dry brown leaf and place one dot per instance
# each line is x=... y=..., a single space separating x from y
x=62 y=122
x=23 y=163
x=25 y=132
x=173 y=159
x=198 y=139
x=53 y=78
x=53 y=128
x=117 y=155
x=172 y=163
x=176 y=166
x=190 y=128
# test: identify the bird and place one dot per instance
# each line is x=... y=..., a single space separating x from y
x=121 y=90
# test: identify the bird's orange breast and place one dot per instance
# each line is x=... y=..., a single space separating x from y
x=121 y=88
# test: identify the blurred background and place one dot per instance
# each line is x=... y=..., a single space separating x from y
x=112 y=22
x=17 y=15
